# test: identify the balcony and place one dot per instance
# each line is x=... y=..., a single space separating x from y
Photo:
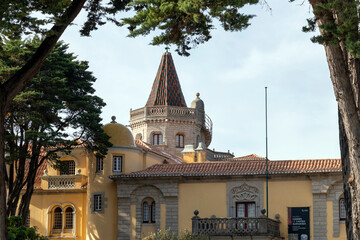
x=259 y=227
x=63 y=182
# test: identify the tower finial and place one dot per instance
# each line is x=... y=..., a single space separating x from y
x=167 y=48
x=113 y=118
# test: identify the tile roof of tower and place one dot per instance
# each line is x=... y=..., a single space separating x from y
x=166 y=89
x=239 y=168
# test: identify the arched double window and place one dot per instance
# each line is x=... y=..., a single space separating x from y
x=148 y=210
x=62 y=219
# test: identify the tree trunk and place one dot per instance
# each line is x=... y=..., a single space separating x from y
x=16 y=83
x=3 y=222
x=345 y=160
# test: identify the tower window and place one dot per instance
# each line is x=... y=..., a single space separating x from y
x=179 y=140
x=117 y=164
x=157 y=139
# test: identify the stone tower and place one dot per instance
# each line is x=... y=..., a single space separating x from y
x=166 y=121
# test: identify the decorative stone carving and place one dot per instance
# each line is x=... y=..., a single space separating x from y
x=245 y=193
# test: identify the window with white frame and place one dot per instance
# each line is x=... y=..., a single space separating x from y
x=117 y=164
x=342 y=209
x=157 y=139
x=97 y=202
x=148 y=210
x=179 y=140
x=99 y=164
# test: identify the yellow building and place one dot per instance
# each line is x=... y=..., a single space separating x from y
x=161 y=175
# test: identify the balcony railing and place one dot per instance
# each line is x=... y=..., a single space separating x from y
x=260 y=226
x=172 y=112
x=63 y=181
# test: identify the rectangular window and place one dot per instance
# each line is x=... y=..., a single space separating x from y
x=97 y=202
x=179 y=141
x=99 y=164
x=245 y=209
x=67 y=167
x=157 y=139
x=342 y=209
x=117 y=164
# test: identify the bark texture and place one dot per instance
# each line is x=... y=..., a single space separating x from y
x=344 y=73
x=344 y=149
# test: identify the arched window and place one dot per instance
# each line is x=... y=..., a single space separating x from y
x=179 y=140
x=58 y=218
x=157 y=139
x=67 y=167
x=69 y=218
x=342 y=209
x=149 y=210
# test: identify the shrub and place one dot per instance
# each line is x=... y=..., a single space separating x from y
x=16 y=231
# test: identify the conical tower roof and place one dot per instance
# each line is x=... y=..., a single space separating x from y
x=166 y=89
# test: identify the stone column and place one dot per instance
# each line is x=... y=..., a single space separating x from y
x=319 y=216
x=172 y=214
x=124 y=230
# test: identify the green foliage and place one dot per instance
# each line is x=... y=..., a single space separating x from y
x=60 y=97
x=185 y=23
x=338 y=21
x=16 y=231
x=168 y=235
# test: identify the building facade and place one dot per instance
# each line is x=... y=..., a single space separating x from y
x=161 y=175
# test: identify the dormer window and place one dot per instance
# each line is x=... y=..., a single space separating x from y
x=67 y=167
x=157 y=139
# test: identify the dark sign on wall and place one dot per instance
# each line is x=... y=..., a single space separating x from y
x=299 y=223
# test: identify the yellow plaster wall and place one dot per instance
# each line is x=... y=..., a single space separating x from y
x=100 y=183
x=330 y=224
x=162 y=217
x=152 y=161
x=208 y=198
x=41 y=202
x=289 y=193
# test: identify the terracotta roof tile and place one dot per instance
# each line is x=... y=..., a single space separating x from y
x=245 y=167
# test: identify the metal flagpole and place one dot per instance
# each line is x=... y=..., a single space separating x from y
x=267 y=159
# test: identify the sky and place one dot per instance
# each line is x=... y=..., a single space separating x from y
x=230 y=72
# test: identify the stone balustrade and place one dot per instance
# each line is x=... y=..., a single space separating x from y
x=260 y=226
x=63 y=182
x=172 y=112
